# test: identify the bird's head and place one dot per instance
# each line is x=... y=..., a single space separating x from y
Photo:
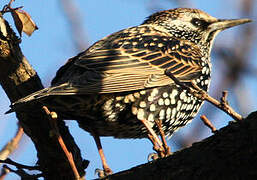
x=192 y=24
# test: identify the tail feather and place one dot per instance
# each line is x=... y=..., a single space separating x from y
x=39 y=95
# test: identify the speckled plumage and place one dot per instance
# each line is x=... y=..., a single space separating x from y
x=121 y=79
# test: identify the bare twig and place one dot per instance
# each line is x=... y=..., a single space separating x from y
x=199 y=93
x=23 y=174
x=10 y=2
x=11 y=145
x=208 y=123
x=53 y=122
x=4 y=172
x=18 y=165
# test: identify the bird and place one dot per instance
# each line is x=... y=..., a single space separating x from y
x=126 y=84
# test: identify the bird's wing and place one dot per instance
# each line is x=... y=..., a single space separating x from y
x=131 y=59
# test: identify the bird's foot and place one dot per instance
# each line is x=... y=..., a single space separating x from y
x=103 y=172
x=152 y=157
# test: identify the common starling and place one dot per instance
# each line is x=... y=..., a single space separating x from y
x=119 y=86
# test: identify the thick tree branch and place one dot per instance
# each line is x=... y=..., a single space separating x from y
x=19 y=79
x=231 y=153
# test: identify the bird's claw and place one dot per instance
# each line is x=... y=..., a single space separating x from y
x=103 y=172
x=152 y=157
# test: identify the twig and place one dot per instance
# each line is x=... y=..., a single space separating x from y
x=4 y=172
x=10 y=2
x=208 y=123
x=18 y=165
x=11 y=145
x=223 y=105
x=23 y=174
x=199 y=93
x=53 y=121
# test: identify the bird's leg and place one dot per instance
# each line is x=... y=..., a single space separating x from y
x=165 y=145
x=107 y=169
x=159 y=149
x=157 y=144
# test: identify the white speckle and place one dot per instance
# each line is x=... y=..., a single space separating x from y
x=134 y=43
x=208 y=71
x=107 y=105
x=150 y=98
x=160 y=45
x=175 y=92
x=160 y=102
x=189 y=100
x=137 y=95
x=140 y=114
x=152 y=107
x=182 y=95
x=134 y=110
x=179 y=105
x=161 y=114
x=206 y=82
x=126 y=99
x=154 y=92
x=198 y=80
x=201 y=78
x=165 y=95
x=131 y=98
x=172 y=101
x=142 y=104
x=189 y=107
x=117 y=105
x=108 y=113
x=150 y=117
x=202 y=83
x=204 y=70
x=173 y=113
x=183 y=106
x=118 y=98
x=168 y=111
x=178 y=114
x=142 y=92
x=167 y=102
x=186 y=99
x=112 y=116
x=176 y=122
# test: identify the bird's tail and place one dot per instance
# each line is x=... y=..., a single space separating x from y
x=37 y=96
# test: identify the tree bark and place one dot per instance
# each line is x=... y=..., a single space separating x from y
x=230 y=154
x=19 y=79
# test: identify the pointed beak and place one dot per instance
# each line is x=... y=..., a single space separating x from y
x=222 y=24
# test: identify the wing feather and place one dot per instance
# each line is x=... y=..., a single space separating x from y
x=130 y=60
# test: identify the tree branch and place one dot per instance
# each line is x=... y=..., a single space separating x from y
x=19 y=79
x=231 y=153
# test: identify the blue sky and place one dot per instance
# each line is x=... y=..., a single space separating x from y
x=49 y=48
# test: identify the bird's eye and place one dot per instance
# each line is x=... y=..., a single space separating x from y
x=199 y=23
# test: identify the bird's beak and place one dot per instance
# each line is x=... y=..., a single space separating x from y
x=222 y=24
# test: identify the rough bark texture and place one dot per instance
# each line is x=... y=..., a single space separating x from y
x=230 y=154
x=19 y=79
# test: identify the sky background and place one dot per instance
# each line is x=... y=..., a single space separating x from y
x=50 y=46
